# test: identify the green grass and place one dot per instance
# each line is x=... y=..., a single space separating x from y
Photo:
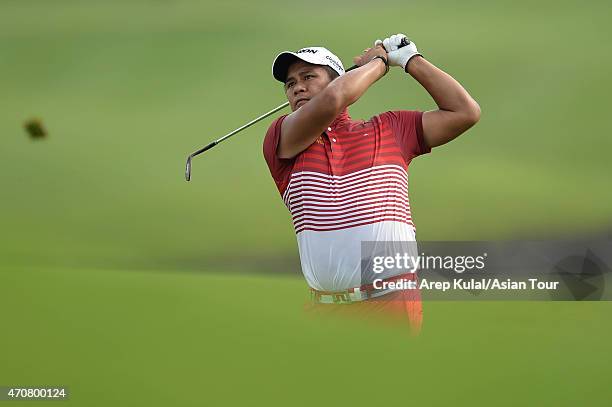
x=156 y=338
x=100 y=232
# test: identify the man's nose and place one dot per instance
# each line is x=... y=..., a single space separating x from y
x=299 y=87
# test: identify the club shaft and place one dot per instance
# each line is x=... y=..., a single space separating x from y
x=249 y=124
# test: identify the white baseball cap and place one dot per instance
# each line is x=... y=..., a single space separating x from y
x=312 y=55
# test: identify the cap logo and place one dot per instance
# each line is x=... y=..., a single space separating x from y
x=333 y=61
x=312 y=51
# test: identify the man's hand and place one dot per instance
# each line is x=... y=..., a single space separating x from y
x=398 y=56
x=370 y=53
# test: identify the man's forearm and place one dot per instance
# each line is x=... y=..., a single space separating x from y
x=448 y=94
x=352 y=85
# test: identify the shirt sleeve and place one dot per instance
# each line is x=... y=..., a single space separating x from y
x=407 y=127
x=280 y=168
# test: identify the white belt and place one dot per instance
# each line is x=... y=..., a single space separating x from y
x=346 y=296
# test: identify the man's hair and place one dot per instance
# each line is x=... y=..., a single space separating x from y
x=332 y=74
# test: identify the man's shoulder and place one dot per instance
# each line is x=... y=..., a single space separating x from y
x=397 y=114
x=277 y=121
x=400 y=119
x=274 y=130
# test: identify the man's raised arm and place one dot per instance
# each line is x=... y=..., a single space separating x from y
x=457 y=110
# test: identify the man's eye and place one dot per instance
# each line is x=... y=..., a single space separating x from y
x=309 y=76
x=289 y=85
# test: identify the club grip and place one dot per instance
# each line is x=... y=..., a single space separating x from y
x=405 y=41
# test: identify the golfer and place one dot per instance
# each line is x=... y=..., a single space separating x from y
x=345 y=181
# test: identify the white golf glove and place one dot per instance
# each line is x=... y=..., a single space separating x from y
x=398 y=56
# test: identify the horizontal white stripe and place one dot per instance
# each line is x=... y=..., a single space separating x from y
x=323 y=207
x=357 y=215
x=382 y=179
x=307 y=209
x=314 y=220
x=352 y=223
x=330 y=208
x=344 y=182
x=329 y=217
x=391 y=193
x=339 y=195
x=352 y=174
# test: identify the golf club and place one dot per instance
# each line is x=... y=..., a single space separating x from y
x=404 y=42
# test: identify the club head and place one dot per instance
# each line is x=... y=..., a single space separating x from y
x=188 y=169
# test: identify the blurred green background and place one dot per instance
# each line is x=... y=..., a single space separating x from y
x=101 y=237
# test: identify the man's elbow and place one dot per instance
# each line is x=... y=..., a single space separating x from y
x=334 y=100
x=472 y=113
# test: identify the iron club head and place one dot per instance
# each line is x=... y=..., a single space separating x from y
x=188 y=169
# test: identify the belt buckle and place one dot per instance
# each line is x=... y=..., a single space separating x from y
x=343 y=297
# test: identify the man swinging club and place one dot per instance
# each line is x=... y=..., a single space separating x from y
x=345 y=181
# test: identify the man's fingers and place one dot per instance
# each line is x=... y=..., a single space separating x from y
x=392 y=42
x=397 y=39
x=387 y=45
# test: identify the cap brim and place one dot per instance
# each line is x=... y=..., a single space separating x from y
x=281 y=65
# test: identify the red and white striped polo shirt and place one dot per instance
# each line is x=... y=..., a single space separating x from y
x=349 y=186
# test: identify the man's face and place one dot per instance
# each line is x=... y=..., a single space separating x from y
x=303 y=82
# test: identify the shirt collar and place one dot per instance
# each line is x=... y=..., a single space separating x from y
x=341 y=119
